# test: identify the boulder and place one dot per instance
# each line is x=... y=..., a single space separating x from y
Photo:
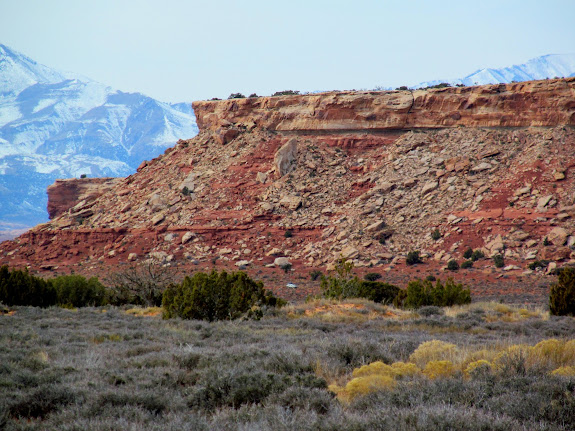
x=285 y=158
x=282 y=262
x=429 y=187
x=557 y=236
x=187 y=236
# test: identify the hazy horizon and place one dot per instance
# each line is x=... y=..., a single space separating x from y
x=188 y=50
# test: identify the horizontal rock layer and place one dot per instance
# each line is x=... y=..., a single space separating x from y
x=524 y=104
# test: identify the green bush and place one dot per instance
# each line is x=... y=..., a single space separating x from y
x=420 y=293
x=77 y=291
x=377 y=291
x=467 y=264
x=286 y=93
x=18 y=287
x=468 y=253
x=452 y=265
x=344 y=284
x=216 y=296
x=413 y=258
x=476 y=255
x=236 y=96
x=372 y=276
x=538 y=264
x=435 y=235
x=315 y=274
x=562 y=294
x=499 y=261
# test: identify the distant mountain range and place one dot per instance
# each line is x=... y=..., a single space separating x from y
x=546 y=66
x=59 y=125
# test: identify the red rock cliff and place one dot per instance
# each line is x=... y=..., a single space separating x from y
x=524 y=104
x=65 y=194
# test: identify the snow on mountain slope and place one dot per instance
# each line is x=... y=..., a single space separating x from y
x=58 y=125
x=547 y=66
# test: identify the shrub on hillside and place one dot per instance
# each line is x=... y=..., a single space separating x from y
x=467 y=264
x=468 y=253
x=216 y=296
x=476 y=255
x=77 y=291
x=372 y=276
x=420 y=293
x=413 y=258
x=377 y=291
x=343 y=284
x=562 y=294
x=19 y=287
x=236 y=96
x=452 y=265
x=498 y=261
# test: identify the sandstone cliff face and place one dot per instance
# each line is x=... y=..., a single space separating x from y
x=367 y=176
x=66 y=194
x=525 y=104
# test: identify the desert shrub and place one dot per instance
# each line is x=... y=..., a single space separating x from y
x=286 y=93
x=435 y=235
x=466 y=264
x=141 y=283
x=235 y=389
x=372 y=276
x=423 y=292
x=376 y=291
x=438 y=369
x=216 y=296
x=430 y=310
x=236 y=96
x=434 y=350
x=152 y=402
x=315 y=274
x=564 y=372
x=77 y=291
x=468 y=253
x=19 y=287
x=413 y=258
x=41 y=402
x=498 y=261
x=288 y=233
x=562 y=294
x=512 y=360
x=478 y=369
x=343 y=284
x=253 y=95
x=476 y=255
x=296 y=397
x=452 y=265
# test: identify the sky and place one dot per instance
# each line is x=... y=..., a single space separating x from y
x=185 y=50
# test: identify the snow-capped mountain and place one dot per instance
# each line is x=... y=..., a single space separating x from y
x=60 y=125
x=546 y=66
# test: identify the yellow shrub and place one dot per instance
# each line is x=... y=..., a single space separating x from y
x=569 y=353
x=437 y=369
x=513 y=359
x=547 y=353
x=564 y=372
x=361 y=386
x=375 y=368
x=405 y=369
x=478 y=368
x=434 y=350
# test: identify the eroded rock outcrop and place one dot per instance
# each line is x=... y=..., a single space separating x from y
x=524 y=104
x=66 y=194
x=366 y=176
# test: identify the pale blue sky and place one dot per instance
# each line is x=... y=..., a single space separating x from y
x=176 y=50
